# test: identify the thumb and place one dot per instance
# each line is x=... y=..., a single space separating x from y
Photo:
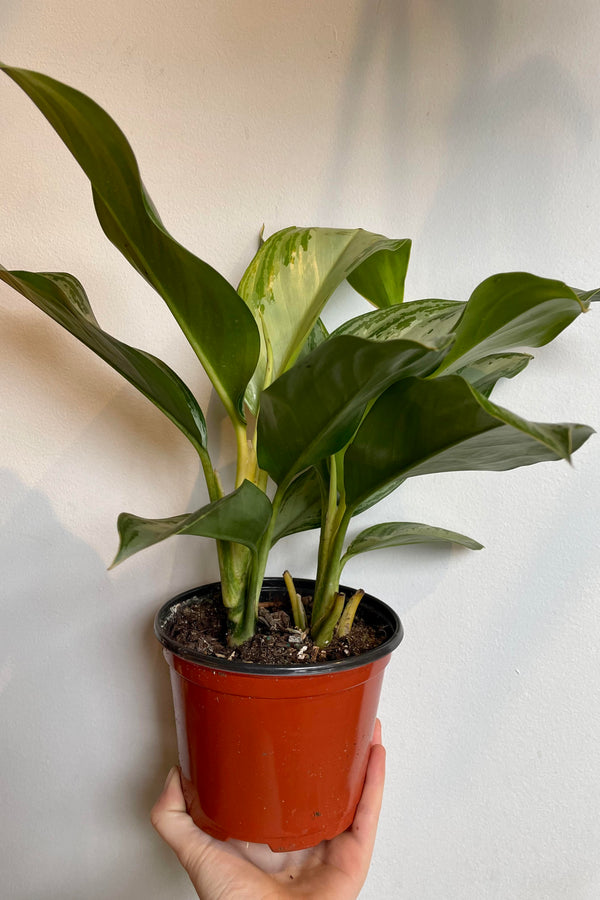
x=170 y=818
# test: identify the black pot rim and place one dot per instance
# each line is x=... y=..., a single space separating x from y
x=378 y=611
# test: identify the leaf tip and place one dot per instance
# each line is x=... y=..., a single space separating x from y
x=116 y=561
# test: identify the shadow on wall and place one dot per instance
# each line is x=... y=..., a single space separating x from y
x=381 y=33
x=450 y=109
x=542 y=593
x=513 y=135
x=92 y=733
x=32 y=543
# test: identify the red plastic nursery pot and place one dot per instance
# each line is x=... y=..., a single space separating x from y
x=274 y=754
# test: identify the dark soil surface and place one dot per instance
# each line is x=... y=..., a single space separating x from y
x=202 y=626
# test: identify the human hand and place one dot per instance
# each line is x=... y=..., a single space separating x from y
x=333 y=870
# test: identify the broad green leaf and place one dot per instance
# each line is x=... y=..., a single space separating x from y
x=415 y=320
x=213 y=317
x=62 y=297
x=316 y=337
x=485 y=373
x=418 y=427
x=378 y=495
x=312 y=410
x=398 y=534
x=301 y=507
x=241 y=517
x=288 y=283
x=509 y=311
x=380 y=279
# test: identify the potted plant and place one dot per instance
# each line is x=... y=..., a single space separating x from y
x=325 y=426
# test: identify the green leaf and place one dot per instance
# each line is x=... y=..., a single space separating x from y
x=377 y=496
x=301 y=507
x=508 y=311
x=418 y=427
x=380 y=278
x=241 y=517
x=313 y=410
x=316 y=337
x=62 y=297
x=485 y=373
x=415 y=320
x=213 y=317
x=288 y=283
x=398 y=534
x=588 y=297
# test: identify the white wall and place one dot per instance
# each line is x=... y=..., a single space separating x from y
x=472 y=128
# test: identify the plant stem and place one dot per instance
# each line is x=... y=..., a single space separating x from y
x=326 y=629
x=245 y=626
x=298 y=611
x=262 y=477
x=234 y=562
x=215 y=491
x=229 y=568
x=328 y=574
x=347 y=617
x=330 y=497
x=246 y=457
x=233 y=558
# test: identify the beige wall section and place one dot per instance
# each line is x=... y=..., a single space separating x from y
x=470 y=127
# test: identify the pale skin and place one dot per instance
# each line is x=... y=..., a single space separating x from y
x=233 y=870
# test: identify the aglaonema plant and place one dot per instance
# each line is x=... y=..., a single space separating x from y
x=325 y=425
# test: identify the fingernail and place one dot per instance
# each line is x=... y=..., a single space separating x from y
x=172 y=771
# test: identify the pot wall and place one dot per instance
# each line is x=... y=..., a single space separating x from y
x=279 y=757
